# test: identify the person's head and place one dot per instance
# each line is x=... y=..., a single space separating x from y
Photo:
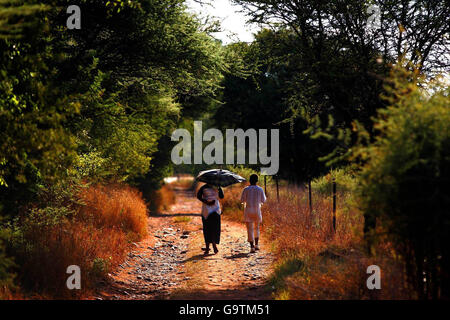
x=253 y=179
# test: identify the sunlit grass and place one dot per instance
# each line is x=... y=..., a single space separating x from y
x=181 y=219
x=96 y=238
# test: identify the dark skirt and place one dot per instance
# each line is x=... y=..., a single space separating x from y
x=211 y=228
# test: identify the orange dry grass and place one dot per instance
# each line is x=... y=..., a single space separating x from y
x=115 y=206
x=49 y=250
x=313 y=261
x=231 y=205
x=96 y=239
x=330 y=280
x=331 y=265
x=343 y=276
x=162 y=199
x=290 y=222
x=7 y=293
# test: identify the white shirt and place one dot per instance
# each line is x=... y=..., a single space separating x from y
x=253 y=197
x=210 y=194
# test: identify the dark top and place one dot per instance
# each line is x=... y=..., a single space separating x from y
x=200 y=193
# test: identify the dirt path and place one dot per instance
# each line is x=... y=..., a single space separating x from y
x=169 y=264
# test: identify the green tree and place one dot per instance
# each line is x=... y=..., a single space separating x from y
x=98 y=101
x=263 y=97
x=34 y=143
x=337 y=66
x=404 y=179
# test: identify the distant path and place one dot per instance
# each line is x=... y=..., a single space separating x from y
x=169 y=263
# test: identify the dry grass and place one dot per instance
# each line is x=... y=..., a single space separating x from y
x=290 y=222
x=115 y=206
x=182 y=219
x=162 y=199
x=47 y=252
x=96 y=239
x=231 y=206
x=314 y=262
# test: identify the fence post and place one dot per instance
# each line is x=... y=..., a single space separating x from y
x=265 y=187
x=310 y=196
x=334 y=204
x=278 y=192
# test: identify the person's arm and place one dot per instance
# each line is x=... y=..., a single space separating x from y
x=263 y=196
x=221 y=195
x=244 y=196
x=200 y=194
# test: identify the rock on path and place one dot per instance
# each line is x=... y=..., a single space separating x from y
x=169 y=263
x=151 y=271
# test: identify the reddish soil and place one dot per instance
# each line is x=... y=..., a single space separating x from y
x=169 y=263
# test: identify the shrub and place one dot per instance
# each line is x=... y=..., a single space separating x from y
x=405 y=180
x=45 y=250
x=162 y=199
x=115 y=206
x=345 y=181
x=6 y=265
x=94 y=236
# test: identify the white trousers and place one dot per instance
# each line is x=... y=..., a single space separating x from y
x=252 y=230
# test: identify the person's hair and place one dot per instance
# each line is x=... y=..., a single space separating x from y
x=253 y=179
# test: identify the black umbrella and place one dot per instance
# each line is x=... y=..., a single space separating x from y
x=219 y=177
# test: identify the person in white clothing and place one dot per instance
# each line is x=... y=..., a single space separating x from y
x=253 y=197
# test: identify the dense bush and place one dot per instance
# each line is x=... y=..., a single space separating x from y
x=93 y=105
x=404 y=181
x=345 y=181
x=6 y=263
x=91 y=228
x=246 y=172
x=161 y=199
x=115 y=206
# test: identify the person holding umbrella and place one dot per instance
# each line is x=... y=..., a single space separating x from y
x=209 y=194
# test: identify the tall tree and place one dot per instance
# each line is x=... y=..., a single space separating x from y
x=99 y=99
x=345 y=58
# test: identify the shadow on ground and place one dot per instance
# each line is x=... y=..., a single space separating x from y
x=238 y=256
x=171 y=215
x=257 y=292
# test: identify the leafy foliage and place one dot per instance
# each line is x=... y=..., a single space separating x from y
x=404 y=178
x=325 y=68
x=261 y=98
x=93 y=105
x=98 y=102
x=6 y=264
